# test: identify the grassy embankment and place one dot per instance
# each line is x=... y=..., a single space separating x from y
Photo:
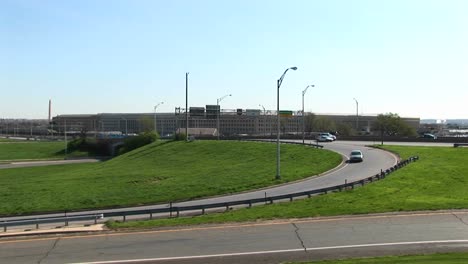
x=439 y=180
x=159 y=172
x=16 y=150
x=442 y=258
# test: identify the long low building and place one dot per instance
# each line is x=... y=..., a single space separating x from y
x=230 y=122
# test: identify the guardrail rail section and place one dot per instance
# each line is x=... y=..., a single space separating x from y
x=176 y=211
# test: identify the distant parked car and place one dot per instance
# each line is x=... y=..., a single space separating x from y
x=428 y=135
x=328 y=135
x=356 y=155
x=324 y=138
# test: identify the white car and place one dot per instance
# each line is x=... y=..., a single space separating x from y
x=356 y=155
x=328 y=135
x=324 y=138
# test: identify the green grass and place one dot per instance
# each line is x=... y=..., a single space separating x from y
x=8 y=140
x=439 y=180
x=30 y=150
x=441 y=258
x=160 y=172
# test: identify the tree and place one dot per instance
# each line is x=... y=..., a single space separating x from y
x=146 y=123
x=323 y=123
x=390 y=124
x=344 y=129
x=145 y=138
x=309 y=122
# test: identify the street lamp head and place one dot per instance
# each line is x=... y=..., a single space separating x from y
x=293 y=68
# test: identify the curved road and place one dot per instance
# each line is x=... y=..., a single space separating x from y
x=268 y=242
x=23 y=164
x=374 y=161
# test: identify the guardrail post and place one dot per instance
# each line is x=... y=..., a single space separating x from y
x=177 y=212
x=37 y=225
x=151 y=215
x=170 y=209
x=95 y=219
x=227 y=207
x=66 y=222
x=4 y=228
x=124 y=217
x=203 y=211
x=250 y=204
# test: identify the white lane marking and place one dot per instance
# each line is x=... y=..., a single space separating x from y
x=194 y=257
x=391 y=244
x=277 y=251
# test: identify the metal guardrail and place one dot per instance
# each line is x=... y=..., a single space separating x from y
x=48 y=220
x=287 y=142
x=456 y=145
x=249 y=202
x=171 y=210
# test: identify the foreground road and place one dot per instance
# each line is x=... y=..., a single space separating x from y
x=273 y=242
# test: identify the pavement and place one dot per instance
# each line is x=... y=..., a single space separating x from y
x=17 y=232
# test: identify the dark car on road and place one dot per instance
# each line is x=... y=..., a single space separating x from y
x=428 y=135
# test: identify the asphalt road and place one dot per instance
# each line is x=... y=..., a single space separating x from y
x=374 y=161
x=23 y=164
x=273 y=242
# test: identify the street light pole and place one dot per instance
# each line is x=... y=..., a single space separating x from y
x=357 y=115
x=303 y=115
x=126 y=127
x=156 y=107
x=279 y=82
x=186 y=107
x=65 y=133
x=219 y=111
x=264 y=118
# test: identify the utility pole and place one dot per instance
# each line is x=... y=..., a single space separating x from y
x=186 y=107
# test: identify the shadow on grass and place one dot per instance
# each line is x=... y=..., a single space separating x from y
x=138 y=154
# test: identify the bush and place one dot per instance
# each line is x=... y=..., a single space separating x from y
x=135 y=142
x=180 y=137
x=88 y=145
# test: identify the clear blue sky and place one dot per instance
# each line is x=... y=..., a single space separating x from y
x=408 y=57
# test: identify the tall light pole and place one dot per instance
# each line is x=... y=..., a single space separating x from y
x=186 y=107
x=126 y=127
x=279 y=82
x=264 y=118
x=357 y=115
x=65 y=133
x=219 y=111
x=303 y=115
x=156 y=107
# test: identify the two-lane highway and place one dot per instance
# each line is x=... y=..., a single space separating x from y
x=271 y=242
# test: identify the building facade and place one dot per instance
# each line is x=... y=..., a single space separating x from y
x=231 y=122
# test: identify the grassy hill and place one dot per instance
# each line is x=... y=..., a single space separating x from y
x=439 y=180
x=30 y=150
x=159 y=172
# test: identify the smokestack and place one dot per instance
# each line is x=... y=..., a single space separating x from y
x=50 y=109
